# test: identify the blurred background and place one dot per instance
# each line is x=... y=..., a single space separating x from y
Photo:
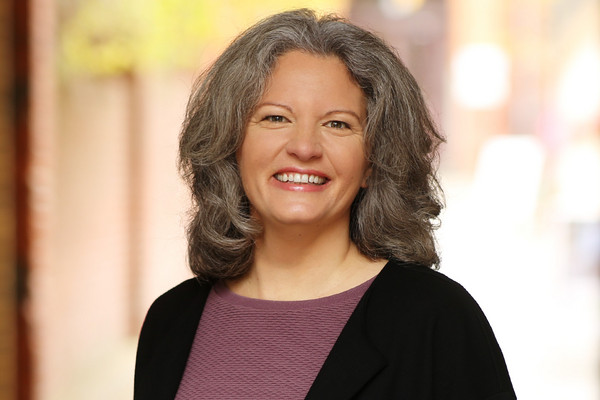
x=92 y=210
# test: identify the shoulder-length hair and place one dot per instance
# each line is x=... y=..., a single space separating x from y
x=394 y=217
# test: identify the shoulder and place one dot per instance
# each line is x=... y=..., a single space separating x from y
x=175 y=303
x=180 y=306
x=429 y=319
x=176 y=296
x=403 y=284
x=421 y=296
x=412 y=303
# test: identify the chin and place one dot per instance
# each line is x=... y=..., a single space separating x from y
x=299 y=220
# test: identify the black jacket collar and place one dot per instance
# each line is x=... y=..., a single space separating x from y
x=352 y=362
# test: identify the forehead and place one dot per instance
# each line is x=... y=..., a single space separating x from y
x=298 y=74
x=296 y=61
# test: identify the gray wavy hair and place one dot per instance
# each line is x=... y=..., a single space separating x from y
x=394 y=217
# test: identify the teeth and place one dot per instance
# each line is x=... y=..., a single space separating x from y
x=300 y=178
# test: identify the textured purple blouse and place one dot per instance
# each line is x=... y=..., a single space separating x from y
x=261 y=349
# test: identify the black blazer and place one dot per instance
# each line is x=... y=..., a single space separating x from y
x=415 y=334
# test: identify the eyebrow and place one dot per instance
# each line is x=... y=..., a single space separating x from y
x=274 y=104
x=341 y=111
x=355 y=115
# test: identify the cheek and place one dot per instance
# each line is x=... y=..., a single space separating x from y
x=251 y=164
x=243 y=169
x=351 y=159
x=245 y=158
x=252 y=149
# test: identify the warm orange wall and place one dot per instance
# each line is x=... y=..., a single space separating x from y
x=8 y=354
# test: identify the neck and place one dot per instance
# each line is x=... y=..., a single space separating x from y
x=299 y=263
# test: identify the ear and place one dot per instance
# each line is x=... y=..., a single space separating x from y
x=366 y=176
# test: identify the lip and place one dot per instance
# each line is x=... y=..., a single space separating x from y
x=298 y=187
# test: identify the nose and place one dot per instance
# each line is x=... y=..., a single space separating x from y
x=305 y=143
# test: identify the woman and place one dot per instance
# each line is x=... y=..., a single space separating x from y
x=309 y=152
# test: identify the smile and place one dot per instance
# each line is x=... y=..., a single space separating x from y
x=300 y=178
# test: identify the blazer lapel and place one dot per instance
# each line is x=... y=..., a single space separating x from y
x=352 y=362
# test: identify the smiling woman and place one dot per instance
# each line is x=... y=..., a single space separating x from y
x=309 y=152
x=302 y=160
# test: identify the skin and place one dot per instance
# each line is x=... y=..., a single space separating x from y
x=310 y=121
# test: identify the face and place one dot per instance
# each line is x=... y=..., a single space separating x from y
x=302 y=160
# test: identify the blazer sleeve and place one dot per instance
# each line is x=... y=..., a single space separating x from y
x=467 y=361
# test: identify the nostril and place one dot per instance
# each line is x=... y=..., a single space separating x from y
x=304 y=148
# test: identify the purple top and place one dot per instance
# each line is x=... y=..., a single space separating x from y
x=248 y=348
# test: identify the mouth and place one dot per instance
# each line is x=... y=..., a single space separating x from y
x=294 y=177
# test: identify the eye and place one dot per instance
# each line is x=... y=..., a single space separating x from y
x=275 y=118
x=337 y=125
